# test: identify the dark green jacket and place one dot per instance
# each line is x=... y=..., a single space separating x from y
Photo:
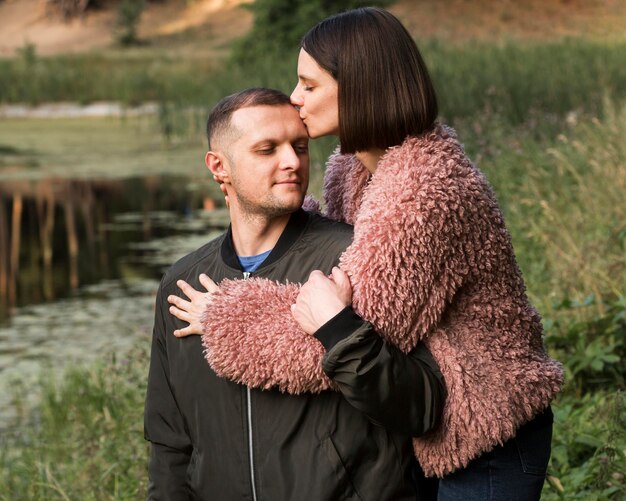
x=213 y=439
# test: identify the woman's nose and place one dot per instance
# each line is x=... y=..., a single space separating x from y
x=296 y=97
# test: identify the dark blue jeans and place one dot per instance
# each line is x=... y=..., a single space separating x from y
x=514 y=471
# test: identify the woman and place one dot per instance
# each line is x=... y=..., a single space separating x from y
x=431 y=261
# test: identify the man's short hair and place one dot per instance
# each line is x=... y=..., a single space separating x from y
x=218 y=123
x=385 y=92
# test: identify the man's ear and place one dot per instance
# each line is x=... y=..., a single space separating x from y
x=215 y=163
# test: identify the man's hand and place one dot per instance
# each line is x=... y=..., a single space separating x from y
x=321 y=298
x=191 y=311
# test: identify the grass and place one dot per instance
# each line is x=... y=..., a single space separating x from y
x=131 y=78
x=510 y=80
x=86 y=441
x=563 y=198
x=97 y=147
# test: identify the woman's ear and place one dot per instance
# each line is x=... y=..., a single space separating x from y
x=215 y=163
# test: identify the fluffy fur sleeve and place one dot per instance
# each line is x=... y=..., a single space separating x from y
x=251 y=338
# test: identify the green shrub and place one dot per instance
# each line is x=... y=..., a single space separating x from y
x=588 y=448
x=589 y=443
x=593 y=351
x=511 y=80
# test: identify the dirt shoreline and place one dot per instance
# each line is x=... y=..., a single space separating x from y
x=25 y=22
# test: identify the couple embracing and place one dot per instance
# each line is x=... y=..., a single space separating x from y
x=385 y=350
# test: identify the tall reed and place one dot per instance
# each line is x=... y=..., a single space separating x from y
x=564 y=202
x=510 y=80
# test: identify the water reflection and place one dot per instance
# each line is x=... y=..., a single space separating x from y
x=59 y=234
x=80 y=262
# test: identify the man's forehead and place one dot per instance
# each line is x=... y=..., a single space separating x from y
x=257 y=121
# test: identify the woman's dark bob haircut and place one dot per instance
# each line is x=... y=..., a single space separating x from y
x=385 y=92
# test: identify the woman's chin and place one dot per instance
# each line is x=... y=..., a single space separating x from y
x=314 y=134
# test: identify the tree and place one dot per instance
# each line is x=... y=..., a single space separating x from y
x=128 y=14
x=280 y=24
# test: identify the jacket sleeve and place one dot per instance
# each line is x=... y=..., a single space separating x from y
x=402 y=392
x=164 y=427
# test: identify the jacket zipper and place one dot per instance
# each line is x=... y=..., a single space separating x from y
x=250 y=444
x=246 y=275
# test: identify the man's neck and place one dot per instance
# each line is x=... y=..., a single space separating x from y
x=254 y=234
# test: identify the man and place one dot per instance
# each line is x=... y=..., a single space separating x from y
x=213 y=439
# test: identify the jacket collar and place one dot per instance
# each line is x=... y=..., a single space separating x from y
x=292 y=232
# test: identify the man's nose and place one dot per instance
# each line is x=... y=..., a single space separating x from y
x=289 y=159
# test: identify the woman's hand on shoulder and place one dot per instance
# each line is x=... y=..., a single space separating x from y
x=321 y=298
x=191 y=311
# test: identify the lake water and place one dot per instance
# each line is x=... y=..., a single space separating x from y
x=80 y=262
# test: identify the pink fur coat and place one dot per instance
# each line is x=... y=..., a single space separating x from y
x=431 y=261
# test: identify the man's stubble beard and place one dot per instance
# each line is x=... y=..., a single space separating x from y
x=270 y=206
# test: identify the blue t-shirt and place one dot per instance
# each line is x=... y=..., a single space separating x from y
x=251 y=263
